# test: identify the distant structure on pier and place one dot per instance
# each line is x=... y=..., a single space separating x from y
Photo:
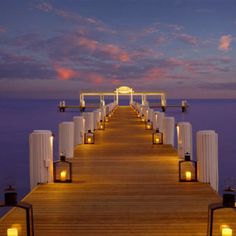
x=120 y=92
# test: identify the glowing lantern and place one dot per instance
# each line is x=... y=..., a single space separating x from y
x=107 y=118
x=228 y=202
x=12 y=232
x=187 y=169
x=27 y=213
x=148 y=125
x=62 y=170
x=89 y=137
x=226 y=230
x=101 y=125
x=142 y=118
x=157 y=137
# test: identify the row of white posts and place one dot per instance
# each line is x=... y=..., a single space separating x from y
x=71 y=134
x=206 y=142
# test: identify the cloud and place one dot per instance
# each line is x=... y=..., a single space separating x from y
x=44 y=6
x=114 y=51
x=65 y=73
x=155 y=74
x=189 y=39
x=2 y=29
x=225 y=41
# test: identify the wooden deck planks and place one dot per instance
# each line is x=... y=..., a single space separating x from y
x=123 y=186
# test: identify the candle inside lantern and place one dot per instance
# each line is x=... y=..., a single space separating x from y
x=157 y=140
x=226 y=231
x=89 y=140
x=188 y=175
x=12 y=232
x=101 y=126
x=63 y=175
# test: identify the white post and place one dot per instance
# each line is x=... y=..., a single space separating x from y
x=117 y=98
x=184 y=139
x=66 y=139
x=41 y=157
x=169 y=130
x=78 y=130
x=158 y=120
x=89 y=121
x=96 y=117
x=131 y=98
x=207 y=157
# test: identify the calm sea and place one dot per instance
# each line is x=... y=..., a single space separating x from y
x=21 y=117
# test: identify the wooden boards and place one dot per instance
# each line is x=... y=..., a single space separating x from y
x=123 y=185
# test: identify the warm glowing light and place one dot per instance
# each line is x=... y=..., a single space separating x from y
x=188 y=175
x=157 y=140
x=101 y=126
x=89 y=140
x=226 y=231
x=12 y=232
x=63 y=175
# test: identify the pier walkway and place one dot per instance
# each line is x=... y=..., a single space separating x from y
x=123 y=185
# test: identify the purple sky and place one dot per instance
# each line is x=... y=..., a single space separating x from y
x=56 y=48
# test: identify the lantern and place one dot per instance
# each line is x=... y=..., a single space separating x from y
x=107 y=118
x=62 y=170
x=101 y=125
x=89 y=137
x=11 y=201
x=148 y=125
x=228 y=202
x=157 y=137
x=187 y=169
x=142 y=118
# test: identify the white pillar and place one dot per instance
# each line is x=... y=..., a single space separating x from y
x=169 y=130
x=150 y=114
x=158 y=120
x=184 y=139
x=117 y=98
x=41 y=157
x=66 y=139
x=88 y=116
x=207 y=157
x=96 y=117
x=79 y=126
x=131 y=98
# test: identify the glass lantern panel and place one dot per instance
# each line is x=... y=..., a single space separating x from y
x=188 y=171
x=14 y=224
x=63 y=171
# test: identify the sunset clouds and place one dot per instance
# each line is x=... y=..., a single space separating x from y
x=225 y=42
x=77 y=44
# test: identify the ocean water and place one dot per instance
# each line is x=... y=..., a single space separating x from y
x=20 y=117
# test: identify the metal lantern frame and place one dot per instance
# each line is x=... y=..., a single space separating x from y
x=11 y=201
x=157 y=134
x=193 y=163
x=56 y=166
x=148 y=125
x=101 y=125
x=92 y=135
x=228 y=202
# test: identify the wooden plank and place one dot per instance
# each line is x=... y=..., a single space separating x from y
x=123 y=185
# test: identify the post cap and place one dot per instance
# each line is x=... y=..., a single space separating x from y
x=187 y=156
x=10 y=196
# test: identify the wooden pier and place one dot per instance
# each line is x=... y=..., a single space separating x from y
x=122 y=186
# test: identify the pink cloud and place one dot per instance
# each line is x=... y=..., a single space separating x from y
x=154 y=74
x=110 y=49
x=95 y=78
x=189 y=39
x=2 y=29
x=46 y=7
x=225 y=41
x=64 y=73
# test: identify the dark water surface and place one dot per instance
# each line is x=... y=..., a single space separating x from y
x=20 y=117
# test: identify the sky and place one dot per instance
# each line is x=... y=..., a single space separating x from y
x=56 y=48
